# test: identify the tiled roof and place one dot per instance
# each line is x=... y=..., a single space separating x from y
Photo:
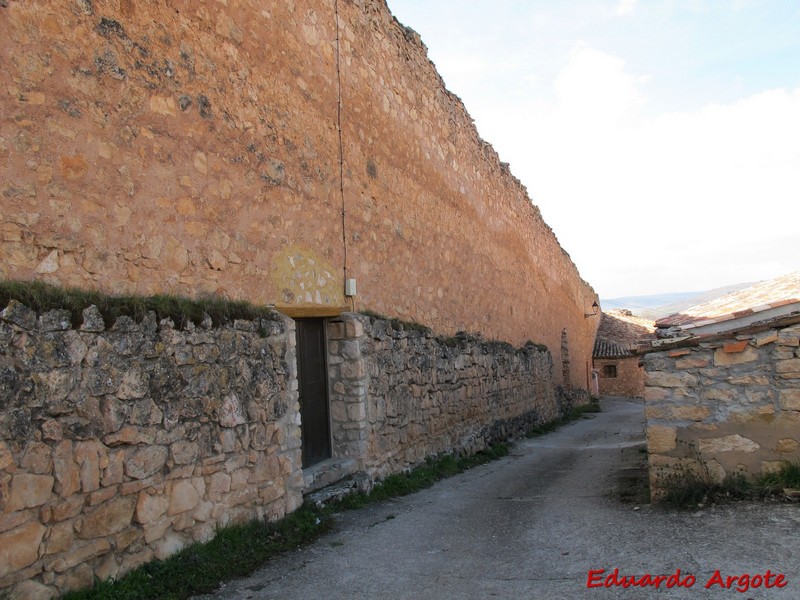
x=757 y=298
x=624 y=328
x=607 y=349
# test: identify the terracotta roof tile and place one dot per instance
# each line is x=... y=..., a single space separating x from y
x=624 y=328
x=608 y=349
x=754 y=299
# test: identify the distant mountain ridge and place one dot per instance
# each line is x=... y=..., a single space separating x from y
x=656 y=306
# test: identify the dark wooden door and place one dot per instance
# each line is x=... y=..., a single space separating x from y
x=312 y=374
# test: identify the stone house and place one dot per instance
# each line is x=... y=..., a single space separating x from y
x=615 y=360
x=722 y=385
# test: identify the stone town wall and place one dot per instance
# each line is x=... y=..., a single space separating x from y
x=629 y=380
x=121 y=444
x=725 y=407
x=401 y=394
x=192 y=148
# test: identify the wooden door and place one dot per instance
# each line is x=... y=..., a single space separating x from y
x=312 y=375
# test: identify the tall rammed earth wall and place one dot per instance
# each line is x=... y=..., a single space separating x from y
x=192 y=147
x=724 y=408
x=123 y=442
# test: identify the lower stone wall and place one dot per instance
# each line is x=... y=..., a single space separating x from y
x=427 y=395
x=121 y=445
x=724 y=407
x=629 y=380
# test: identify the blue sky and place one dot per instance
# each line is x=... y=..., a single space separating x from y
x=660 y=139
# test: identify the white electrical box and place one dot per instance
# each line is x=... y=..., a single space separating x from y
x=350 y=287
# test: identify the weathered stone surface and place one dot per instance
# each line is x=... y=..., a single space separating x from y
x=28 y=491
x=725 y=394
x=90 y=457
x=51 y=430
x=131 y=436
x=692 y=362
x=13 y=520
x=68 y=508
x=184 y=452
x=789 y=337
x=92 y=320
x=20 y=547
x=765 y=337
x=790 y=399
x=146 y=461
x=690 y=412
x=661 y=438
x=231 y=413
x=32 y=590
x=66 y=471
x=37 y=458
x=80 y=554
x=145 y=412
x=6 y=458
x=19 y=315
x=56 y=320
x=787 y=446
x=135 y=384
x=727 y=443
x=183 y=497
x=723 y=358
x=60 y=538
x=670 y=380
x=108 y=518
x=788 y=366
x=748 y=380
x=150 y=508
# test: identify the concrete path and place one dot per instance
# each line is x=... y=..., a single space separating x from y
x=533 y=526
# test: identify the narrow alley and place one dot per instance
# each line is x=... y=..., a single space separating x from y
x=538 y=524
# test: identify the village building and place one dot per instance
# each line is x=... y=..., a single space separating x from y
x=618 y=367
x=722 y=395
x=303 y=155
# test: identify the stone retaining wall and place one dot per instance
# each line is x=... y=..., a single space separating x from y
x=123 y=444
x=402 y=394
x=724 y=407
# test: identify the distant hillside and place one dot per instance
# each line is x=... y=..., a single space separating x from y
x=635 y=303
x=656 y=306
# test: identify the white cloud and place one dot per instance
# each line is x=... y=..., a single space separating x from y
x=647 y=204
x=625 y=7
x=594 y=86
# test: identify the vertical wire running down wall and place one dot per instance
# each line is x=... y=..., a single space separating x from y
x=341 y=146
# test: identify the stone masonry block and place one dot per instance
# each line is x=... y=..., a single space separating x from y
x=723 y=358
x=20 y=547
x=108 y=518
x=790 y=399
x=791 y=365
x=670 y=380
x=28 y=491
x=727 y=443
x=661 y=438
x=787 y=446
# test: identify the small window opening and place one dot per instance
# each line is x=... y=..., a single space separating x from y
x=610 y=371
